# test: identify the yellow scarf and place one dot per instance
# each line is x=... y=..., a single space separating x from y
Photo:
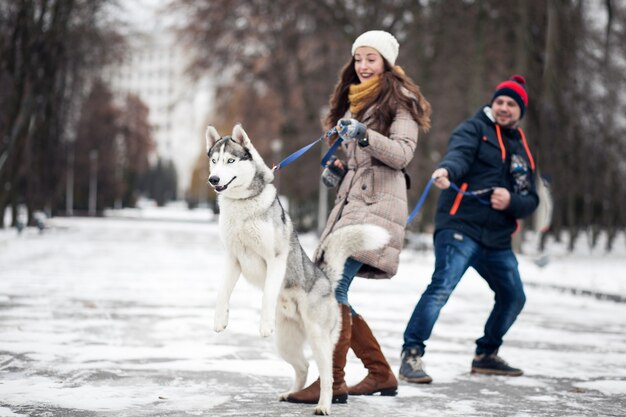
x=360 y=95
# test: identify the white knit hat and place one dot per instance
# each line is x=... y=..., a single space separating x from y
x=384 y=42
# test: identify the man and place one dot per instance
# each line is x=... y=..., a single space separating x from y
x=488 y=155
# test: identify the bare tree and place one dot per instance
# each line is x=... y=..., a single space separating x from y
x=277 y=62
x=135 y=147
x=47 y=48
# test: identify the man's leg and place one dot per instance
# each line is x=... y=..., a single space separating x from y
x=453 y=254
x=499 y=269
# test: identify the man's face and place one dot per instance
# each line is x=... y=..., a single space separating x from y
x=506 y=111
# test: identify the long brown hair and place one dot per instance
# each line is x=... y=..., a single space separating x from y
x=390 y=97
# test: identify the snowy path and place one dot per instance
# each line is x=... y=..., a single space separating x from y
x=114 y=318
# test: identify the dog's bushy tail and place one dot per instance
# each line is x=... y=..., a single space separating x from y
x=347 y=241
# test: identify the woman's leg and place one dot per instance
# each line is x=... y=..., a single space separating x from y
x=380 y=378
x=311 y=394
x=350 y=270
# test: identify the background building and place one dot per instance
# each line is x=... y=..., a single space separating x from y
x=154 y=69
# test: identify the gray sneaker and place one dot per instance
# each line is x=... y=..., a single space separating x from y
x=412 y=368
x=492 y=364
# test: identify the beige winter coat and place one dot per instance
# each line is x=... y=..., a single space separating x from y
x=374 y=191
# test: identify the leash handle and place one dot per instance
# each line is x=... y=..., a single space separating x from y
x=332 y=149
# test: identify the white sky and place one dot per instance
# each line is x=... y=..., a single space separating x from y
x=142 y=14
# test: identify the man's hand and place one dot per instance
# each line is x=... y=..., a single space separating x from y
x=441 y=178
x=500 y=198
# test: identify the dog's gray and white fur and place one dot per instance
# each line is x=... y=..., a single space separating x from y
x=298 y=295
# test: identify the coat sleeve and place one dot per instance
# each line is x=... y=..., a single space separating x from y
x=398 y=149
x=462 y=147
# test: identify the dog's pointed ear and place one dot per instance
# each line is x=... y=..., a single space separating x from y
x=240 y=136
x=211 y=137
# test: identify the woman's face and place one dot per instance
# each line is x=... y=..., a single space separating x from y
x=368 y=63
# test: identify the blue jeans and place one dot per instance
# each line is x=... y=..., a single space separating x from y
x=350 y=270
x=454 y=254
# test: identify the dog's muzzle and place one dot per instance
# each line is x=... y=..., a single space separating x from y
x=214 y=180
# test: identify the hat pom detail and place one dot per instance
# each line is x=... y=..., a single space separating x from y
x=519 y=79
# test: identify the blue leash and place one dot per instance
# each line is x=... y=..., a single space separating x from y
x=297 y=154
x=420 y=203
x=475 y=193
x=331 y=151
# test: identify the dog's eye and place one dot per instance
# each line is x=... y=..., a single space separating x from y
x=214 y=160
x=230 y=160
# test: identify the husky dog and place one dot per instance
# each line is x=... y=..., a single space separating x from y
x=298 y=296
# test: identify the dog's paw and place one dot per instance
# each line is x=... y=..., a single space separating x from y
x=284 y=396
x=267 y=329
x=219 y=327
x=220 y=321
x=322 y=411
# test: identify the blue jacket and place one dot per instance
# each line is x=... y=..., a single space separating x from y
x=479 y=158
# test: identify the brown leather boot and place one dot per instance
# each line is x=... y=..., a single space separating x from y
x=380 y=377
x=311 y=394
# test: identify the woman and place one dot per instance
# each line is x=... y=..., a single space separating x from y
x=379 y=111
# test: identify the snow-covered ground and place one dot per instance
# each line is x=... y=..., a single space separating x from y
x=113 y=317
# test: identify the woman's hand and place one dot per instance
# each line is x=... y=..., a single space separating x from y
x=351 y=129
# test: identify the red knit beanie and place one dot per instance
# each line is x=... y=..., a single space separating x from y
x=515 y=88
